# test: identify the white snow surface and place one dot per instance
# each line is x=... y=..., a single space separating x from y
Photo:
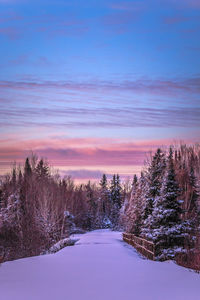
x=99 y=266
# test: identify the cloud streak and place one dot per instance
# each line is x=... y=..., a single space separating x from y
x=80 y=154
x=142 y=86
x=104 y=117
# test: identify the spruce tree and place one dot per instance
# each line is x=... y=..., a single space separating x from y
x=42 y=170
x=27 y=168
x=1 y=198
x=104 y=202
x=154 y=181
x=14 y=177
x=103 y=182
x=116 y=191
x=20 y=178
x=167 y=227
x=193 y=212
x=135 y=180
x=91 y=206
x=116 y=204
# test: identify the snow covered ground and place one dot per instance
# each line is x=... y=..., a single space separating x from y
x=99 y=266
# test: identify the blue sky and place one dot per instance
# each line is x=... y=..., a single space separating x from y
x=96 y=72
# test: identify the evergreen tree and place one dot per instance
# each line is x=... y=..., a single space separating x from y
x=14 y=177
x=27 y=168
x=116 y=201
x=104 y=202
x=42 y=170
x=1 y=198
x=20 y=178
x=137 y=216
x=103 y=193
x=91 y=206
x=116 y=191
x=135 y=180
x=194 y=195
x=154 y=181
x=103 y=182
x=167 y=229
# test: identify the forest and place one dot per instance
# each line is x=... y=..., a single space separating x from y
x=38 y=207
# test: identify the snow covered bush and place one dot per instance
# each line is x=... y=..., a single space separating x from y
x=61 y=244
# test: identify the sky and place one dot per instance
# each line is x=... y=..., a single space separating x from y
x=95 y=85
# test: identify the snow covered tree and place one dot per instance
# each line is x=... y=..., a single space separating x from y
x=166 y=228
x=137 y=224
x=116 y=191
x=154 y=181
x=192 y=214
x=194 y=195
x=104 y=203
x=92 y=206
x=116 y=199
x=135 y=180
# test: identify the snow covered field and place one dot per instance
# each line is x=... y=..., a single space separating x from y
x=99 y=266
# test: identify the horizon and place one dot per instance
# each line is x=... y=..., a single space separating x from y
x=84 y=176
x=95 y=86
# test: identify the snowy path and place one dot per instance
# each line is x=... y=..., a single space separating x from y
x=99 y=266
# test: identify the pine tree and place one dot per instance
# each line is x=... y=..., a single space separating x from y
x=91 y=206
x=138 y=216
x=154 y=181
x=135 y=180
x=103 y=182
x=116 y=191
x=167 y=227
x=42 y=170
x=116 y=200
x=104 y=202
x=27 y=168
x=103 y=193
x=194 y=196
x=14 y=177
x=20 y=178
x=1 y=198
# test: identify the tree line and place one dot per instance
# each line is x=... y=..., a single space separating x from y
x=39 y=208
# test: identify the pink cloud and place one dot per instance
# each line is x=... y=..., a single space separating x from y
x=83 y=158
x=81 y=151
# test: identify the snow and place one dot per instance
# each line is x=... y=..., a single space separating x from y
x=99 y=266
x=61 y=244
